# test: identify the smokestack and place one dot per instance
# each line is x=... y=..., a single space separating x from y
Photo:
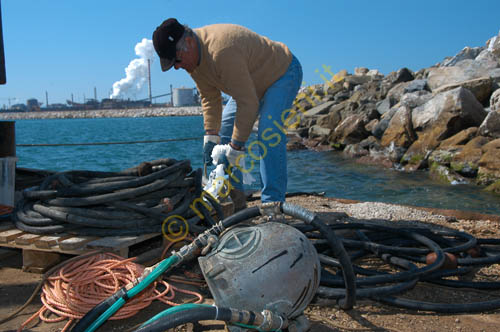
x=95 y=93
x=136 y=72
x=171 y=96
x=46 y=99
x=149 y=81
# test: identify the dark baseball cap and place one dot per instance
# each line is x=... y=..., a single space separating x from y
x=165 y=39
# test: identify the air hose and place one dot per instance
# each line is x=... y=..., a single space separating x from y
x=349 y=297
x=170 y=318
x=104 y=310
x=131 y=202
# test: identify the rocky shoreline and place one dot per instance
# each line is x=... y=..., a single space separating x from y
x=104 y=113
x=445 y=118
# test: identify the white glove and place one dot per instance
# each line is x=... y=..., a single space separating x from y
x=209 y=141
x=211 y=138
x=235 y=157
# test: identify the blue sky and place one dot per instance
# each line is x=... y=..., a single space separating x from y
x=69 y=47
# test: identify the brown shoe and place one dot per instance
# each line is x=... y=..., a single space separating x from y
x=239 y=199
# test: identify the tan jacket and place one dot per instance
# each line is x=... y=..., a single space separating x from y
x=240 y=63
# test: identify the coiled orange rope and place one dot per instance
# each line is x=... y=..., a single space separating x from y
x=77 y=287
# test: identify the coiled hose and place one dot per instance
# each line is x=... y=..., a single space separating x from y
x=131 y=202
x=453 y=253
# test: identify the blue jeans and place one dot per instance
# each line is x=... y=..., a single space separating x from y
x=270 y=146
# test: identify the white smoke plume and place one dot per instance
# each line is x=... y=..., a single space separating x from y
x=136 y=72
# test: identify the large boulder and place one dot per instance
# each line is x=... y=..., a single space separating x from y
x=355 y=151
x=494 y=45
x=332 y=88
x=448 y=113
x=465 y=70
x=466 y=53
x=383 y=106
x=489 y=164
x=480 y=87
x=460 y=138
x=404 y=75
x=445 y=153
x=415 y=99
x=440 y=118
x=495 y=101
x=491 y=125
x=444 y=174
x=400 y=130
x=360 y=71
x=319 y=109
x=351 y=130
x=466 y=160
x=319 y=132
x=417 y=85
x=397 y=91
x=379 y=129
x=358 y=79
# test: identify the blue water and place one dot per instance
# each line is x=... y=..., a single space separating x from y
x=307 y=170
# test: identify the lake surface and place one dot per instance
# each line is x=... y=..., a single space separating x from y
x=308 y=171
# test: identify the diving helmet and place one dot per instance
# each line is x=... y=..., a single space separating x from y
x=269 y=266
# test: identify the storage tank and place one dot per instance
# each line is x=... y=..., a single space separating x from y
x=183 y=96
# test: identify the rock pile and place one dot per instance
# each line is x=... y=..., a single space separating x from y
x=445 y=118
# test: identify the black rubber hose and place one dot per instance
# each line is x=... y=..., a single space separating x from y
x=336 y=246
x=187 y=316
x=105 y=198
x=102 y=188
x=85 y=221
x=44 y=229
x=441 y=307
x=240 y=216
x=32 y=218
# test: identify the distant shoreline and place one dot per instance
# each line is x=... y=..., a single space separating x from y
x=104 y=113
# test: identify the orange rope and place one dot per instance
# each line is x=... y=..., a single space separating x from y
x=74 y=289
x=5 y=209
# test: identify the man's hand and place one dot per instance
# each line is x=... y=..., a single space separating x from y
x=209 y=141
x=236 y=157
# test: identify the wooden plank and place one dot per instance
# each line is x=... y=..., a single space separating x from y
x=26 y=239
x=39 y=261
x=47 y=242
x=7 y=236
x=76 y=242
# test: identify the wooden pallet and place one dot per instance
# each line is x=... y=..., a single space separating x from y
x=40 y=252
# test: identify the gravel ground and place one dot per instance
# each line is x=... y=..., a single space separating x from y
x=367 y=315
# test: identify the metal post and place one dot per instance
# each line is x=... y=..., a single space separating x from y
x=149 y=80
x=3 y=76
x=8 y=139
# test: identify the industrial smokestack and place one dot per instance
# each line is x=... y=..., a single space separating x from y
x=149 y=80
x=136 y=72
